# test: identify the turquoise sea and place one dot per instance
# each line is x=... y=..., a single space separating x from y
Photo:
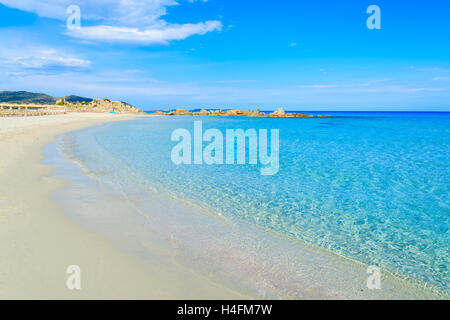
x=370 y=186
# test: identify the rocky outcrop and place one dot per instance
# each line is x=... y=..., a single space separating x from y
x=100 y=106
x=182 y=112
x=280 y=113
x=256 y=113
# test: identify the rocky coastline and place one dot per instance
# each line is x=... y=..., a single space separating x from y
x=280 y=113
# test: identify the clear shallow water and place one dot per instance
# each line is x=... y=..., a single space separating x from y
x=371 y=186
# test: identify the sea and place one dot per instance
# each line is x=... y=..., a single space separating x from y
x=368 y=187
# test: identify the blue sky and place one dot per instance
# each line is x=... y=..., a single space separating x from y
x=300 y=55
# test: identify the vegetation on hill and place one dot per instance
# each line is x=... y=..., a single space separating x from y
x=23 y=97
x=26 y=97
x=76 y=99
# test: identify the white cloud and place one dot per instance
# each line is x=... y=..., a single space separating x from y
x=137 y=21
x=48 y=58
x=160 y=35
x=128 y=12
x=374 y=87
x=49 y=9
x=430 y=69
x=376 y=82
x=318 y=86
x=441 y=79
x=15 y=60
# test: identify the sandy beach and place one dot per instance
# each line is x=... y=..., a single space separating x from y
x=38 y=242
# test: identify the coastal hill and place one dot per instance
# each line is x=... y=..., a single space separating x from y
x=18 y=97
x=76 y=99
x=25 y=97
x=22 y=102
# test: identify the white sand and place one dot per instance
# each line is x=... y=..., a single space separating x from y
x=38 y=242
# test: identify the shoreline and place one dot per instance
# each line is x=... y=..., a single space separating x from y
x=38 y=241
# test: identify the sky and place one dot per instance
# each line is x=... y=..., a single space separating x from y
x=247 y=54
